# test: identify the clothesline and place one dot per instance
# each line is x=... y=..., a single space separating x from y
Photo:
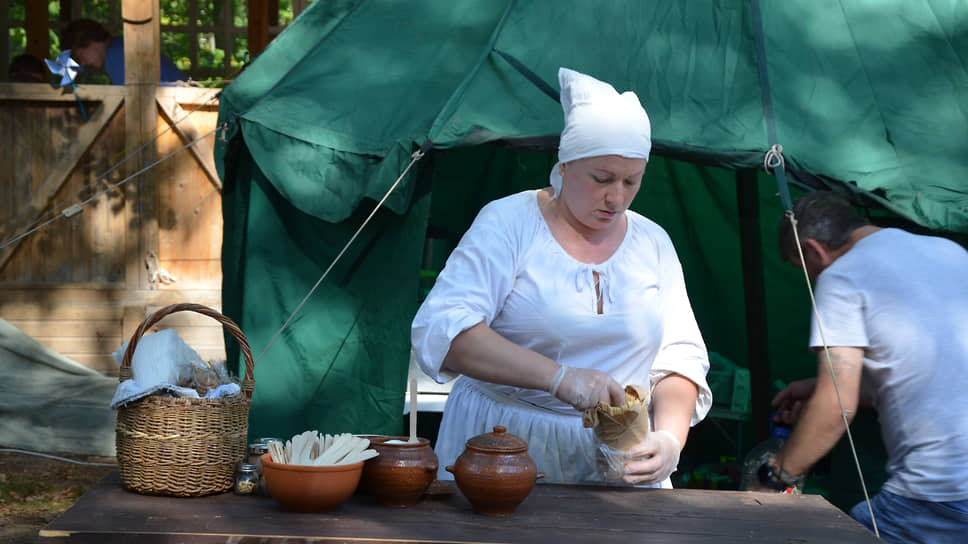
x=76 y=208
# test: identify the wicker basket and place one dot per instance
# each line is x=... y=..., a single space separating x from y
x=178 y=446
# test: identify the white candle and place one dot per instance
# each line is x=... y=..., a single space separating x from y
x=413 y=410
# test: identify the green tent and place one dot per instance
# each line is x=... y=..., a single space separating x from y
x=868 y=97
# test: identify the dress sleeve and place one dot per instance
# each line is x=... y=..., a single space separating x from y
x=683 y=350
x=471 y=288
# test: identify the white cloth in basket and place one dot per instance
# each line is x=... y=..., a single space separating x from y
x=160 y=361
x=130 y=391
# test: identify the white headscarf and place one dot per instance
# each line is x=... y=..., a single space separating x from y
x=599 y=121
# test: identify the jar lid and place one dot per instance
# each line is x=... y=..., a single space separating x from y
x=500 y=441
x=245 y=467
x=258 y=447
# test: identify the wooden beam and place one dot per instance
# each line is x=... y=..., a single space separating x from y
x=42 y=92
x=36 y=301
x=66 y=10
x=200 y=97
x=751 y=246
x=142 y=46
x=182 y=124
x=142 y=66
x=5 y=44
x=258 y=25
x=298 y=6
x=36 y=26
x=273 y=12
x=86 y=136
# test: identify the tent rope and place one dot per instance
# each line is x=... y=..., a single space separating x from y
x=767 y=98
x=773 y=162
x=414 y=157
x=75 y=209
x=774 y=159
x=830 y=368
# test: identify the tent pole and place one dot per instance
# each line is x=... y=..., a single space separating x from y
x=258 y=30
x=36 y=25
x=748 y=205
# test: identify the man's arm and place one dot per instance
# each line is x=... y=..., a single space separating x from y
x=821 y=424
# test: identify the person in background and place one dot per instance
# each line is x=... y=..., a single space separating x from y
x=91 y=44
x=28 y=69
x=894 y=312
x=556 y=298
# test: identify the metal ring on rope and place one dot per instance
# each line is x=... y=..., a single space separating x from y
x=774 y=159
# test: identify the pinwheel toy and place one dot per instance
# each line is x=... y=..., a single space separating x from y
x=68 y=69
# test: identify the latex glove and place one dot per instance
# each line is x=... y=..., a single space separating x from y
x=791 y=400
x=584 y=387
x=654 y=460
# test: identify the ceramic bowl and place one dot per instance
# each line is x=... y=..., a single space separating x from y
x=400 y=475
x=300 y=488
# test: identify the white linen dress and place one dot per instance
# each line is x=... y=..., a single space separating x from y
x=509 y=272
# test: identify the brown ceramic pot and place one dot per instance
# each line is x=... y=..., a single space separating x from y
x=401 y=473
x=495 y=472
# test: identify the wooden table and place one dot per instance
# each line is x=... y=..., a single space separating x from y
x=552 y=514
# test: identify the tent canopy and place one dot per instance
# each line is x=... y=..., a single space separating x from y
x=870 y=97
x=874 y=94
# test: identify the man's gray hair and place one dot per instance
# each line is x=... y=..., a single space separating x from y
x=825 y=216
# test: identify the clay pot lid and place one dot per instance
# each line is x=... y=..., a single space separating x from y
x=500 y=441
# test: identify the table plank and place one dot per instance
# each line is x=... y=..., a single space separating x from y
x=552 y=513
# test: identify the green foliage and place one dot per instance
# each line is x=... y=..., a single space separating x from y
x=99 y=10
x=18 y=41
x=174 y=12
x=208 y=12
x=211 y=58
x=177 y=46
x=17 y=11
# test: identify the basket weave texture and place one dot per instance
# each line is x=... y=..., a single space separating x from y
x=179 y=446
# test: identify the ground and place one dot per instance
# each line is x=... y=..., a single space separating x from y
x=35 y=490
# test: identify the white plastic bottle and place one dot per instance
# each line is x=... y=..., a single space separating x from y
x=761 y=452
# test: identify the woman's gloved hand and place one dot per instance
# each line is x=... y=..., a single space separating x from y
x=584 y=387
x=653 y=460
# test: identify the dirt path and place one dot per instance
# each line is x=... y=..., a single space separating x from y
x=35 y=490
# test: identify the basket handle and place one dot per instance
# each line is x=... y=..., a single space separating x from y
x=248 y=382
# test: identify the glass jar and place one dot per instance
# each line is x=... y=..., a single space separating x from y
x=256 y=449
x=246 y=479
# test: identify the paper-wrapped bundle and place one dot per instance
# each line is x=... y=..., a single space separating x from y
x=621 y=427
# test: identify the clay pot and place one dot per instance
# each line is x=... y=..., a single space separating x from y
x=495 y=472
x=301 y=488
x=401 y=473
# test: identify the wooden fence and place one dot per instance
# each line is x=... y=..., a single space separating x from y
x=149 y=229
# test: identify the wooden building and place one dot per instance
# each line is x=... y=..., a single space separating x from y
x=110 y=212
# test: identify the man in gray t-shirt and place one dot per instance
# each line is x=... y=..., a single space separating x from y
x=893 y=313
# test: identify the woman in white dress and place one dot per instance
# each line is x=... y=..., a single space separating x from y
x=556 y=298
